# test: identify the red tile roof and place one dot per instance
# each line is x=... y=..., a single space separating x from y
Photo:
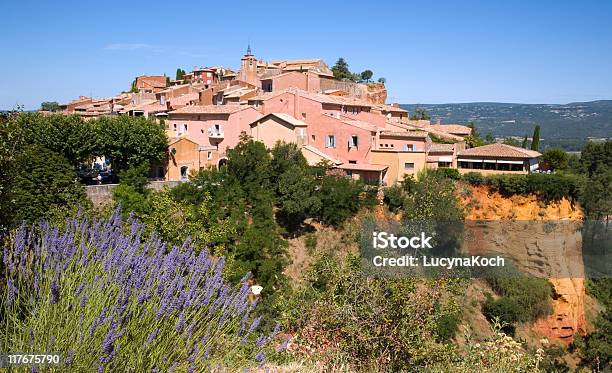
x=441 y=148
x=210 y=109
x=453 y=128
x=420 y=134
x=500 y=151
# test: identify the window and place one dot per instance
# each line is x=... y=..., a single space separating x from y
x=304 y=115
x=444 y=164
x=352 y=162
x=314 y=137
x=175 y=126
x=301 y=132
x=331 y=141
x=408 y=147
x=349 y=173
x=184 y=172
x=408 y=166
x=353 y=141
x=184 y=127
x=209 y=155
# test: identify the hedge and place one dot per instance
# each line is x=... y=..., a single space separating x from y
x=550 y=187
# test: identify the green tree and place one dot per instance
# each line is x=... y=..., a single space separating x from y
x=341 y=70
x=261 y=249
x=339 y=198
x=366 y=75
x=382 y=80
x=555 y=158
x=511 y=141
x=535 y=140
x=70 y=136
x=50 y=106
x=136 y=176
x=295 y=185
x=11 y=141
x=130 y=141
x=525 y=142
x=595 y=163
x=43 y=182
x=474 y=139
x=420 y=114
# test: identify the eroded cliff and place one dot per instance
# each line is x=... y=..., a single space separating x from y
x=545 y=239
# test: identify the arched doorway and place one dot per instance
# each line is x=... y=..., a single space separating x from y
x=222 y=163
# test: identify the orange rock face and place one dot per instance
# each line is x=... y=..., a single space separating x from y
x=553 y=254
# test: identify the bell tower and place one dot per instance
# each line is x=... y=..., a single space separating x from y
x=248 y=67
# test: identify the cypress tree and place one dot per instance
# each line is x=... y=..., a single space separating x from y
x=535 y=142
x=524 y=144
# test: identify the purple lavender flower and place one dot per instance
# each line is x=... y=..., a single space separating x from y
x=152 y=336
x=260 y=341
x=10 y=290
x=283 y=346
x=69 y=357
x=181 y=323
x=172 y=367
x=55 y=292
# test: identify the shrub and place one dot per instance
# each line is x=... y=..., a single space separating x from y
x=474 y=178
x=555 y=158
x=311 y=243
x=108 y=299
x=447 y=325
x=554 y=187
x=532 y=295
x=450 y=173
x=339 y=199
x=41 y=181
x=374 y=324
x=506 y=310
x=508 y=185
x=394 y=198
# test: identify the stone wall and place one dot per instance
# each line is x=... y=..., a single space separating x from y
x=375 y=93
x=101 y=195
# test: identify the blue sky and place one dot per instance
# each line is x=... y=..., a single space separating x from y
x=429 y=51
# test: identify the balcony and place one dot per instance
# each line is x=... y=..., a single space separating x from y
x=215 y=133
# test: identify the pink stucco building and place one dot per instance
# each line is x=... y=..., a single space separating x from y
x=219 y=126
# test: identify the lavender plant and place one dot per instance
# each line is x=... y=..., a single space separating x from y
x=110 y=299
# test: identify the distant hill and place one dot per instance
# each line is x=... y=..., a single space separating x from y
x=571 y=123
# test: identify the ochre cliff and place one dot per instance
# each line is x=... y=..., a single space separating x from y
x=544 y=252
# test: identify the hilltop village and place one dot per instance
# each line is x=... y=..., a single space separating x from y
x=343 y=123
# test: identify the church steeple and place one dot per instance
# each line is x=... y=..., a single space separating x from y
x=248 y=52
